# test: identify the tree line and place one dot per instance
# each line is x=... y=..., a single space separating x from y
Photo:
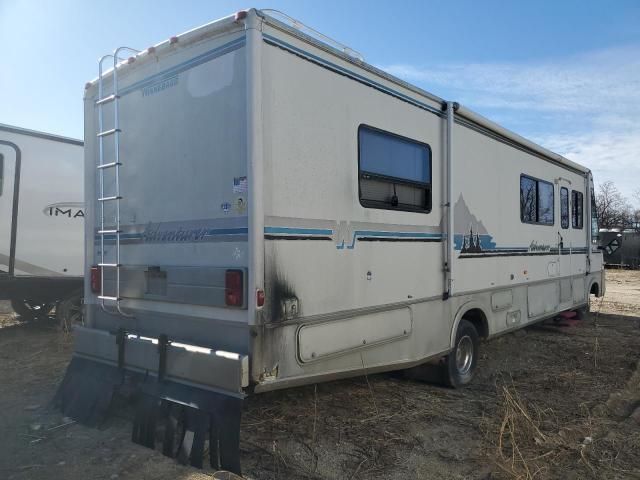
x=615 y=210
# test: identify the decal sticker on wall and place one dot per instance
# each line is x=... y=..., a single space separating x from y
x=223 y=229
x=240 y=205
x=472 y=239
x=240 y=185
x=159 y=86
x=225 y=207
x=65 y=210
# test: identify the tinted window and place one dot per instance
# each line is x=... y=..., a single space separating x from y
x=536 y=201
x=564 y=207
x=577 y=205
x=395 y=172
x=545 y=202
x=528 y=199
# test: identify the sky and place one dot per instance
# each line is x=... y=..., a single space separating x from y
x=565 y=74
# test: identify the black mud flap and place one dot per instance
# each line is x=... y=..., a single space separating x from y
x=182 y=419
x=87 y=391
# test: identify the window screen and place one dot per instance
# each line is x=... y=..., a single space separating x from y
x=536 y=201
x=564 y=207
x=394 y=172
x=577 y=206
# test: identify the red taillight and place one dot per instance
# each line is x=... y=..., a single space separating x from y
x=260 y=297
x=96 y=279
x=233 y=288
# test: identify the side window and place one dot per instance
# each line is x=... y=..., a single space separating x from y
x=528 y=200
x=564 y=207
x=1 y=173
x=577 y=205
x=536 y=201
x=595 y=230
x=394 y=171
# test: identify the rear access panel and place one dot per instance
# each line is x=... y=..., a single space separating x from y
x=328 y=339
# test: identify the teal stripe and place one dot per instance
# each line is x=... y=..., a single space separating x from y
x=297 y=231
x=372 y=233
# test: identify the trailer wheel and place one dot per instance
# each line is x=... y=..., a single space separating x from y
x=460 y=364
x=30 y=309
x=69 y=311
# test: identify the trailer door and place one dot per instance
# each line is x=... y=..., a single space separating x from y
x=8 y=184
x=565 y=246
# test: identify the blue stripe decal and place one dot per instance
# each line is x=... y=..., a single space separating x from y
x=389 y=235
x=349 y=73
x=372 y=233
x=297 y=231
x=193 y=62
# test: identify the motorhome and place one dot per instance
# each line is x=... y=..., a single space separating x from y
x=265 y=210
x=42 y=217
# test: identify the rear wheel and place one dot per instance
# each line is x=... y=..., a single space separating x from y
x=30 y=309
x=460 y=364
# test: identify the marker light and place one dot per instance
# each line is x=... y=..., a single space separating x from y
x=96 y=279
x=233 y=288
x=260 y=297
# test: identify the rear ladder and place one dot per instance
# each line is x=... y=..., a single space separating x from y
x=103 y=165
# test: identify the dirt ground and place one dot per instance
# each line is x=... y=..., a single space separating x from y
x=549 y=402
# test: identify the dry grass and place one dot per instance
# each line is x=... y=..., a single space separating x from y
x=529 y=442
x=529 y=439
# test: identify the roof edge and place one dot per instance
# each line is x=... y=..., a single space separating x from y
x=39 y=134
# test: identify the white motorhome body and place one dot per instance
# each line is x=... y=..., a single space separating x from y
x=282 y=200
x=42 y=216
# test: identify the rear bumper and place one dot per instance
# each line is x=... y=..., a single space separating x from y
x=218 y=371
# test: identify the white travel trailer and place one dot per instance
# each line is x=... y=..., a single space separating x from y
x=42 y=216
x=268 y=210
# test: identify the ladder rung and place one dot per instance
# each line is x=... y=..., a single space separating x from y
x=110 y=265
x=109 y=165
x=109 y=231
x=108 y=132
x=108 y=99
x=105 y=297
x=108 y=199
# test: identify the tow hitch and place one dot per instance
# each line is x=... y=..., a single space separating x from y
x=184 y=397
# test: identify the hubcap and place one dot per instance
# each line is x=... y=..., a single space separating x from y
x=464 y=355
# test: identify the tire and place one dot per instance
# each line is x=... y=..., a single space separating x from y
x=69 y=311
x=460 y=364
x=29 y=309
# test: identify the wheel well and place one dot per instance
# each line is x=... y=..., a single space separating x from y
x=479 y=320
x=595 y=289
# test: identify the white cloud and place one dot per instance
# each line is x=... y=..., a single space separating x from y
x=586 y=107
